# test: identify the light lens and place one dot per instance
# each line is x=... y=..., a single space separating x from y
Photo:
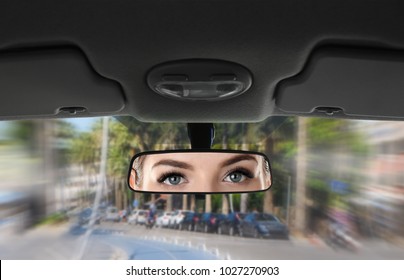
x=209 y=90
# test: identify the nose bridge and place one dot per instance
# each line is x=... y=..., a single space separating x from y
x=207 y=174
x=203 y=183
x=208 y=178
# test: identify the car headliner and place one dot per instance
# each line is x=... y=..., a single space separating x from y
x=95 y=55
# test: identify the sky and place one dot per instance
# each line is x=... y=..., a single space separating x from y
x=82 y=124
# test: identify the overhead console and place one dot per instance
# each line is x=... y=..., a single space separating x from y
x=62 y=78
x=352 y=82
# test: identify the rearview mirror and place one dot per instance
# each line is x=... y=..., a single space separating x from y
x=199 y=171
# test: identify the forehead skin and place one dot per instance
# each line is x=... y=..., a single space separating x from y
x=205 y=161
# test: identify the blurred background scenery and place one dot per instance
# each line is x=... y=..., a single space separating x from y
x=337 y=192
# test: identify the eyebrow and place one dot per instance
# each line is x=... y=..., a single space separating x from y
x=238 y=158
x=173 y=163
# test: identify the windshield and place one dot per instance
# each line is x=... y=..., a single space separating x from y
x=64 y=193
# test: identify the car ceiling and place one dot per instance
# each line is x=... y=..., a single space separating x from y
x=91 y=57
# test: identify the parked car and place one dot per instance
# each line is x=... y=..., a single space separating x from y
x=163 y=219
x=189 y=221
x=263 y=225
x=112 y=214
x=141 y=217
x=177 y=217
x=132 y=217
x=138 y=217
x=230 y=223
x=209 y=222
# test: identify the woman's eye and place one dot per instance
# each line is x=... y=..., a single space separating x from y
x=235 y=177
x=173 y=180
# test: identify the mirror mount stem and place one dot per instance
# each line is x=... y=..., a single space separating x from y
x=201 y=136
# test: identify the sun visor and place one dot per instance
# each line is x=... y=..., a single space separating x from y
x=348 y=82
x=54 y=82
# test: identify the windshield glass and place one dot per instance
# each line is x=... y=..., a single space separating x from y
x=336 y=184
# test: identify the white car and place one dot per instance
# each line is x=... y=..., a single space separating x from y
x=163 y=220
x=177 y=217
x=112 y=214
x=137 y=217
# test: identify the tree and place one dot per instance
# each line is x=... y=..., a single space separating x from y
x=85 y=151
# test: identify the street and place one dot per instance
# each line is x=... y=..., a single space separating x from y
x=239 y=248
x=124 y=241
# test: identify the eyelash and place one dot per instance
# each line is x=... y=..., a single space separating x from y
x=242 y=171
x=166 y=175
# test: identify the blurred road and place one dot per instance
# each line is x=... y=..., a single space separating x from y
x=52 y=243
x=240 y=248
x=123 y=241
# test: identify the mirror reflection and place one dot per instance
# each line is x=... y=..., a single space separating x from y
x=200 y=172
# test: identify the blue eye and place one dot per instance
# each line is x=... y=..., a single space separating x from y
x=238 y=176
x=172 y=179
x=235 y=177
